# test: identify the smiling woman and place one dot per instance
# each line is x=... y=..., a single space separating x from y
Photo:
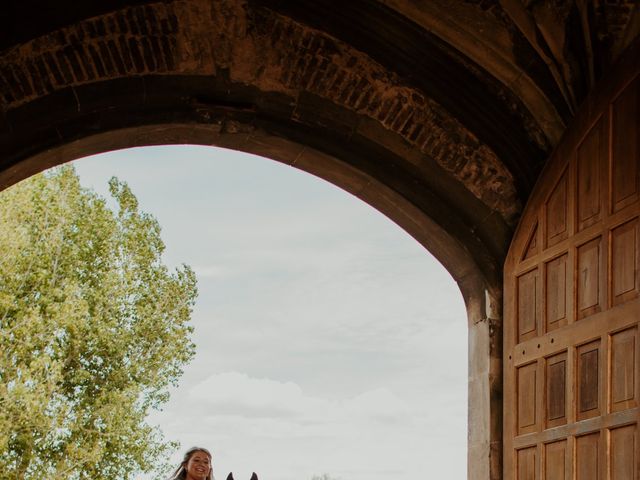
x=196 y=465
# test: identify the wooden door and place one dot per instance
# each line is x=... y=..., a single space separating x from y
x=572 y=309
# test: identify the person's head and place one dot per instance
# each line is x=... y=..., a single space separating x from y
x=196 y=465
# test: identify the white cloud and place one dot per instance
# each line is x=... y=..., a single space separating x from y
x=233 y=393
x=238 y=395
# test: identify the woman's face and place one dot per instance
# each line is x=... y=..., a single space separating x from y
x=198 y=466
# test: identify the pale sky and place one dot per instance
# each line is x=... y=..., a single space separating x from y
x=328 y=340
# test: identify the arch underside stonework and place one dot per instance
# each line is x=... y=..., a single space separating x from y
x=439 y=114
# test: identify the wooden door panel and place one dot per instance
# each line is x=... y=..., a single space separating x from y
x=572 y=307
x=556 y=390
x=527 y=400
x=626 y=147
x=591 y=163
x=555 y=463
x=624 y=262
x=527 y=464
x=624 y=455
x=624 y=369
x=587 y=457
x=557 y=213
x=528 y=305
x=532 y=245
x=588 y=381
x=556 y=293
x=589 y=275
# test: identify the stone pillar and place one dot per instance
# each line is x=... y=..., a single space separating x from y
x=484 y=456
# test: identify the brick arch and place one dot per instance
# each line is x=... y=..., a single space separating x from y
x=258 y=48
x=227 y=64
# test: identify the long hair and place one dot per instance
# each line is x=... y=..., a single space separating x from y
x=181 y=471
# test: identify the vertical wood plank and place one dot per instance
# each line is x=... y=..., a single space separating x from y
x=556 y=213
x=555 y=465
x=528 y=305
x=591 y=156
x=531 y=248
x=625 y=147
x=588 y=380
x=556 y=293
x=589 y=294
x=623 y=462
x=624 y=262
x=623 y=366
x=527 y=464
x=527 y=398
x=556 y=390
x=587 y=454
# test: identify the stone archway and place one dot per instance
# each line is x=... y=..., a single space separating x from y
x=441 y=116
x=481 y=298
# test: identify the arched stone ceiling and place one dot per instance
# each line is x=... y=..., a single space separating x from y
x=453 y=105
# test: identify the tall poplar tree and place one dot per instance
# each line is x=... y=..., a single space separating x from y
x=93 y=329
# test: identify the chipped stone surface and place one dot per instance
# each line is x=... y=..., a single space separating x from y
x=260 y=48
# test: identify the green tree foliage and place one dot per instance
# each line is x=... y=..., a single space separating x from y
x=93 y=329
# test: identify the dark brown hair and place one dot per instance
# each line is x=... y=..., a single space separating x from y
x=181 y=471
